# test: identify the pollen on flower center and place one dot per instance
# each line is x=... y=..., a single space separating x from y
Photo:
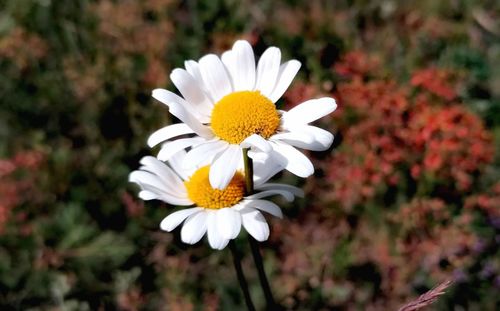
x=241 y=114
x=203 y=195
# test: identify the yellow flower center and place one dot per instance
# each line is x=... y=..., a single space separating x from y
x=241 y=114
x=203 y=195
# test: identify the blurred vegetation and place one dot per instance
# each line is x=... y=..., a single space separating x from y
x=408 y=197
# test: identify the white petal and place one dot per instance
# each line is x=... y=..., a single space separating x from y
x=285 y=76
x=215 y=76
x=266 y=206
x=309 y=111
x=170 y=148
x=170 y=192
x=295 y=136
x=170 y=199
x=204 y=153
x=254 y=223
x=169 y=178
x=173 y=220
x=176 y=162
x=256 y=141
x=155 y=188
x=244 y=78
x=228 y=222
x=267 y=71
x=265 y=174
x=215 y=239
x=151 y=184
x=267 y=193
x=167 y=197
x=192 y=93
x=164 y=193
x=292 y=189
x=299 y=139
x=167 y=132
x=194 y=228
x=264 y=168
x=148 y=195
x=194 y=70
x=292 y=159
x=257 y=155
x=223 y=168
x=322 y=137
x=179 y=108
x=306 y=137
x=228 y=58
x=142 y=177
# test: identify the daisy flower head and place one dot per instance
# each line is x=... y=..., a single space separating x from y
x=218 y=213
x=228 y=104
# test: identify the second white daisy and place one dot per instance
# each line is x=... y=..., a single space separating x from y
x=218 y=213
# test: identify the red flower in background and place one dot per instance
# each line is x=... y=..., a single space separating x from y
x=448 y=142
x=487 y=203
x=388 y=135
x=356 y=64
x=435 y=81
x=393 y=137
x=373 y=123
x=13 y=189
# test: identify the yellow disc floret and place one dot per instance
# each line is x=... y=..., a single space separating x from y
x=203 y=195
x=241 y=114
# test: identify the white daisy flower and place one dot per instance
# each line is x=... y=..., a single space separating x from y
x=219 y=213
x=229 y=104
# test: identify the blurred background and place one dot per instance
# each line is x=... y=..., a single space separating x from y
x=408 y=197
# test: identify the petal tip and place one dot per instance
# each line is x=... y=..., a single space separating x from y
x=165 y=226
x=156 y=92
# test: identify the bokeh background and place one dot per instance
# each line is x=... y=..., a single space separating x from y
x=408 y=197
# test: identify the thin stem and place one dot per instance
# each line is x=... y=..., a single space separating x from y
x=257 y=257
x=248 y=163
x=254 y=246
x=241 y=276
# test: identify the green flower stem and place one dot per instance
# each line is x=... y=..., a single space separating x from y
x=241 y=275
x=247 y=162
x=254 y=245
x=257 y=257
